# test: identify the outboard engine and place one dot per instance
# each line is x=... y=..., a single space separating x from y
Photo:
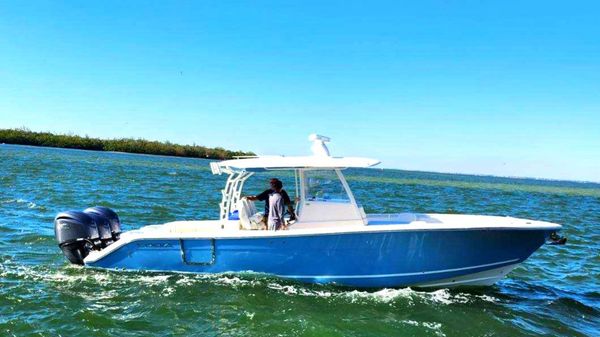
x=113 y=219
x=79 y=232
x=103 y=228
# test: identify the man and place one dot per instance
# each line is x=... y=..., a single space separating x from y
x=275 y=219
x=264 y=196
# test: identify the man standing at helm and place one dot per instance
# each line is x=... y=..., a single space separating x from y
x=264 y=196
x=275 y=219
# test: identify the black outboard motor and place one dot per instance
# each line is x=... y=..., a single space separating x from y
x=113 y=219
x=103 y=228
x=79 y=232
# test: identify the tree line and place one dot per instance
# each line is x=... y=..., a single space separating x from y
x=24 y=136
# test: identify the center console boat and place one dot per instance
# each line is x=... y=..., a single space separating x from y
x=333 y=240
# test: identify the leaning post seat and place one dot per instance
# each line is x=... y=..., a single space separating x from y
x=249 y=217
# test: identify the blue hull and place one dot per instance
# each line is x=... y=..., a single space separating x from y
x=380 y=259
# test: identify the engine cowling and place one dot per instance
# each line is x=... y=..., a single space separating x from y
x=111 y=216
x=103 y=228
x=78 y=233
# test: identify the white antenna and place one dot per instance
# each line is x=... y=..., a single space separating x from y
x=318 y=147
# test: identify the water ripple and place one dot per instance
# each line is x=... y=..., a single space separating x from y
x=556 y=292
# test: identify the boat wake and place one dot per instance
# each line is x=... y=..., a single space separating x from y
x=168 y=284
x=386 y=295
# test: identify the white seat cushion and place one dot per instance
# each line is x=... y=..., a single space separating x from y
x=249 y=217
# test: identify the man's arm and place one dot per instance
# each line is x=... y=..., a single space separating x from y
x=290 y=209
x=288 y=202
x=261 y=197
x=286 y=198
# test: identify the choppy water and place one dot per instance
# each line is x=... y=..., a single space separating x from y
x=555 y=293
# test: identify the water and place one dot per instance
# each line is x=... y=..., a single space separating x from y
x=555 y=293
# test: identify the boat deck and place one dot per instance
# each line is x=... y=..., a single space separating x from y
x=399 y=220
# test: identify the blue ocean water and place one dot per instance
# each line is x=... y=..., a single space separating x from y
x=555 y=293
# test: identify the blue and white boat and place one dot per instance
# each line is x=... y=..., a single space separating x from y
x=332 y=240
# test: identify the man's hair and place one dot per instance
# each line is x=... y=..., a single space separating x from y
x=277 y=184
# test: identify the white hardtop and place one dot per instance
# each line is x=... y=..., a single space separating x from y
x=261 y=163
x=320 y=159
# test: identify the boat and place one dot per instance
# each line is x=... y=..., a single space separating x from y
x=332 y=239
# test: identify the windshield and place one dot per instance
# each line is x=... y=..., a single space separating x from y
x=324 y=185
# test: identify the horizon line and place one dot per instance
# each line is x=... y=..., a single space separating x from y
x=370 y=168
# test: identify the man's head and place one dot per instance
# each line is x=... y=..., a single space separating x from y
x=276 y=184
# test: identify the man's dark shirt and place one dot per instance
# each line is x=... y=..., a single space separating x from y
x=264 y=196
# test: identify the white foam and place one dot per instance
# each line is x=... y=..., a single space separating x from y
x=168 y=291
x=434 y=326
x=488 y=298
x=77 y=274
x=386 y=295
x=185 y=281
x=30 y=204
x=233 y=281
x=411 y=322
x=154 y=279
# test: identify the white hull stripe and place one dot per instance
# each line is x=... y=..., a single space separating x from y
x=399 y=274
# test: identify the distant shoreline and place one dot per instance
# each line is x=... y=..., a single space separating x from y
x=24 y=137
x=125 y=145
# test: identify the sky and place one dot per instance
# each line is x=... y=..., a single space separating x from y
x=507 y=88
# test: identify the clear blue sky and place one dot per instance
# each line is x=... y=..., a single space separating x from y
x=508 y=88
